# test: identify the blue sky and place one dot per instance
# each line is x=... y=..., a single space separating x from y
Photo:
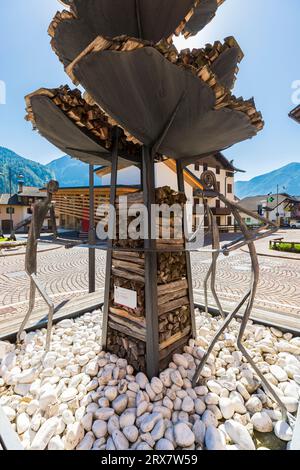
x=267 y=31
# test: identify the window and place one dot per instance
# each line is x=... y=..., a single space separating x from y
x=219 y=186
x=197 y=167
x=229 y=174
x=29 y=210
x=218 y=170
x=205 y=166
x=229 y=221
x=10 y=210
x=229 y=188
x=219 y=221
x=218 y=204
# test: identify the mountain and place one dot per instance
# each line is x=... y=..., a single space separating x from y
x=69 y=172
x=34 y=173
x=288 y=176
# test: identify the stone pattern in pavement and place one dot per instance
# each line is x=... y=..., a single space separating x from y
x=65 y=274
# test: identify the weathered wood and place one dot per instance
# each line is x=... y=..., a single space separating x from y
x=131 y=267
x=171 y=309
x=131 y=257
x=174 y=339
x=127 y=330
x=126 y=275
x=173 y=305
x=165 y=299
x=137 y=331
x=173 y=286
x=123 y=313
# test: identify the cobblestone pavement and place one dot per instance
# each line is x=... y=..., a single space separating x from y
x=65 y=274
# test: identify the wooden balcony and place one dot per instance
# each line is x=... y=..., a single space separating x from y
x=221 y=211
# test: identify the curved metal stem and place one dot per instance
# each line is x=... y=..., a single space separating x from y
x=223 y=327
x=212 y=272
x=32 y=293
x=248 y=238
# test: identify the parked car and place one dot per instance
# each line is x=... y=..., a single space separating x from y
x=295 y=224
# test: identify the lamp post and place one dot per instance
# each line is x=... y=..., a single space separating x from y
x=267 y=215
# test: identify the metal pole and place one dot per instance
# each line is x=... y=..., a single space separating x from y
x=181 y=188
x=152 y=333
x=92 y=233
x=112 y=202
x=10 y=205
x=277 y=214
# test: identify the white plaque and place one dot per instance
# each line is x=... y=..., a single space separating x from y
x=125 y=297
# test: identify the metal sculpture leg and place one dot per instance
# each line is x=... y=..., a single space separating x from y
x=53 y=222
x=227 y=321
x=50 y=304
x=212 y=272
x=246 y=317
x=205 y=284
x=30 y=309
x=35 y=284
x=248 y=238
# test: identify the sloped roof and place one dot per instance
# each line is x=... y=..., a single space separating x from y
x=253 y=202
x=31 y=191
x=218 y=158
x=28 y=191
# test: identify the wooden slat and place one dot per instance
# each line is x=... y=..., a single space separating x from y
x=283 y=321
x=9 y=326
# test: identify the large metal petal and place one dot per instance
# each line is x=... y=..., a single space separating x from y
x=61 y=131
x=151 y=20
x=204 y=13
x=224 y=67
x=162 y=105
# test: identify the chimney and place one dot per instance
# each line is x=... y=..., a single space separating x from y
x=20 y=186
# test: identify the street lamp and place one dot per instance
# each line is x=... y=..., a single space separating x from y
x=267 y=215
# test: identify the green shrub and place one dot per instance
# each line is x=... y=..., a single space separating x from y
x=287 y=247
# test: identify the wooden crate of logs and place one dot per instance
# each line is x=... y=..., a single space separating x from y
x=126 y=325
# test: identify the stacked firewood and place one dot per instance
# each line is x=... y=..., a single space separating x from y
x=173 y=311
x=89 y=117
x=127 y=347
x=170 y=267
x=198 y=61
x=128 y=271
